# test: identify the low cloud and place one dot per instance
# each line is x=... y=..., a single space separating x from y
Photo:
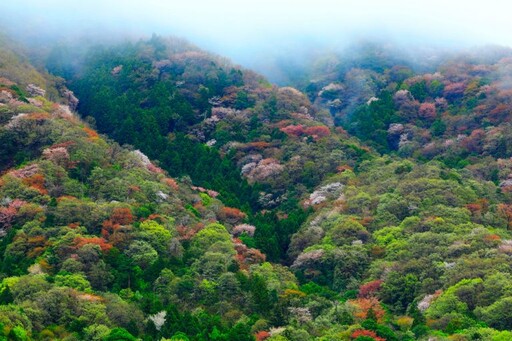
x=253 y=32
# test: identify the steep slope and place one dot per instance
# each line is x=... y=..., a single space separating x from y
x=422 y=246
x=260 y=146
x=457 y=113
x=16 y=70
x=422 y=239
x=97 y=242
x=95 y=237
x=153 y=92
x=16 y=67
x=391 y=248
x=122 y=249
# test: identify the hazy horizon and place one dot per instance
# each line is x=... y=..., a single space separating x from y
x=254 y=34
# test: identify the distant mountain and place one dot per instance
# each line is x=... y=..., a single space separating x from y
x=16 y=67
x=456 y=111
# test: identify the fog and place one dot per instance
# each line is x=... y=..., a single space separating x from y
x=256 y=33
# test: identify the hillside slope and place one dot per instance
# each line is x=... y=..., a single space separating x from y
x=97 y=242
x=260 y=146
x=457 y=112
x=95 y=237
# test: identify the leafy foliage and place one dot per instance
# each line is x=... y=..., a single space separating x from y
x=260 y=221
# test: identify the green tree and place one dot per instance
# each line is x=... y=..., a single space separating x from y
x=399 y=291
x=119 y=334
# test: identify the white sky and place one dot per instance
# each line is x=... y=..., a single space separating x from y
x=240 y=28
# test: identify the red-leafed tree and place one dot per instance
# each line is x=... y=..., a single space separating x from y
x=262 y=335
x=247 y=256
x=478 y=207
x=232 y=215
x=299 y=130
x=154 y=169
x=7 y=215
x=369 y=289
x=454 y=90
x=102 y=243
x=474 y=142
x=293 y=130
x=364 y=305
x=122 y=216
x=318 y=131
x=363 y=333
x=499 y=113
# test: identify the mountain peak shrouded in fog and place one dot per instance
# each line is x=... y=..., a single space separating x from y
x=256 y=33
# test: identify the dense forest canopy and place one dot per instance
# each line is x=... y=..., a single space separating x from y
x=151 y=190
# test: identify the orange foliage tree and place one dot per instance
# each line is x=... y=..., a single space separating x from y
x=262 y=335
x=36 y=181
x=364 y=305
x=102 y=243
x=122 y=216
x=171 y=183
x=366 y=333
x=232 y=215
x=92 y=135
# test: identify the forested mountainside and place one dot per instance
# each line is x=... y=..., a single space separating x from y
x=163 y=91
x=455 y=109
x=253 y=216
x=260 y=146
x=98 y=243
